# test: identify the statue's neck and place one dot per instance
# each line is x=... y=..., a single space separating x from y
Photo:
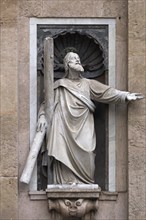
x=74 y=75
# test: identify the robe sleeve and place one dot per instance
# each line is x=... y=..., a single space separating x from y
x=106 y=94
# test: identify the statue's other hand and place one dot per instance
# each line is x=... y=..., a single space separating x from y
x=134 y=96
x=42 y=123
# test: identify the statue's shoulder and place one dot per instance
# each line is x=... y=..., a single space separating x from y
x=91 y=82
x=60 y=82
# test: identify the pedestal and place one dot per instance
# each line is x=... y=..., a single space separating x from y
x=73 y=202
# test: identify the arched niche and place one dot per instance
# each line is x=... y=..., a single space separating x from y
x=93 y=57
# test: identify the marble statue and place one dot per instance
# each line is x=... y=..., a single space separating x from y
x=71 y=139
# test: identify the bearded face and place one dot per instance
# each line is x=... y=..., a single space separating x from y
x=73 y=62
x=76 y=66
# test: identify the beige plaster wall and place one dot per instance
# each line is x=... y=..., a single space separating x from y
x=8 y=110
x=137 y=111
x=14 y=109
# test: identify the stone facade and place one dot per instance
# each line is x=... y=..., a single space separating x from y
x=16 y=203
x=137 y=116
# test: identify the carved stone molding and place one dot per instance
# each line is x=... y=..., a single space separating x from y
x=73 y=208
x=73 y=202
x=104 y=196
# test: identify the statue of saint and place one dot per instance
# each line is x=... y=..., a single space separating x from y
x=71 y=139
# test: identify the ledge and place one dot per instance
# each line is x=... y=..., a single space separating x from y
x=73 y=191
x=38 y=195
x=102 y=196
x=108 y=196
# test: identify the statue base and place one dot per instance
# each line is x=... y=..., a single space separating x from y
x=73 y=202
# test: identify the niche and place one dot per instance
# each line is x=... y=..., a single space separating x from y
x=91 y=43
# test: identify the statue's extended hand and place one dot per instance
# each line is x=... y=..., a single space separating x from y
x=134 y=96
x=42 y=123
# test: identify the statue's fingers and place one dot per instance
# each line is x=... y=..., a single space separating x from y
x=46 y=125
x=138 y=94
x=41 y=127
x=134 y=98
x=38 y=127
x=140 y=97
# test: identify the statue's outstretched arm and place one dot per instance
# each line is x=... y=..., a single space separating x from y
x=106 y=94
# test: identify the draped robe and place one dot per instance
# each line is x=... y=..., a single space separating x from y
x=72 y=140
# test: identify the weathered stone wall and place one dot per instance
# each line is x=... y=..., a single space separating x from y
x=137 y=111
x=14 y=96
x=8 y=110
